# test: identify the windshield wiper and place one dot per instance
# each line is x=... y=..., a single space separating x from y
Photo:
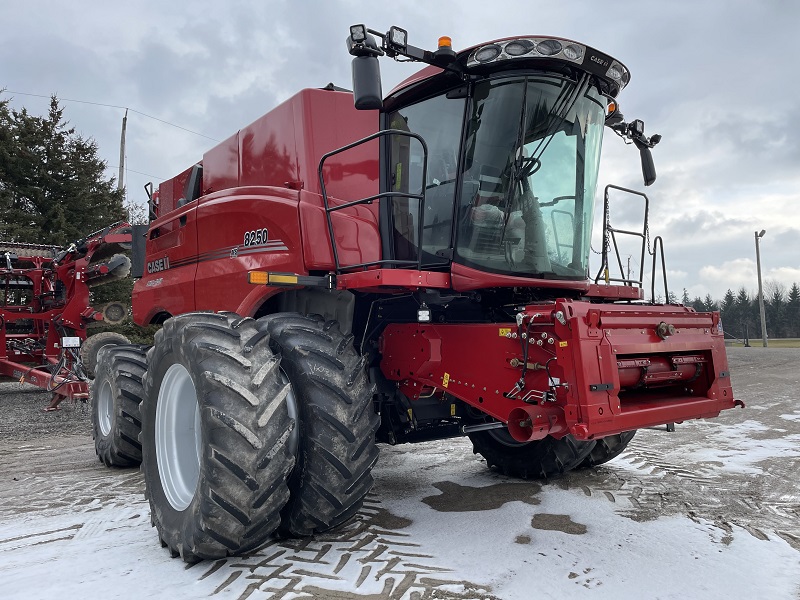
x=557 y=115
x=515 y=168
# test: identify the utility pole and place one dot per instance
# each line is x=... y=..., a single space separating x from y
x=759 y=235
x=121 y=178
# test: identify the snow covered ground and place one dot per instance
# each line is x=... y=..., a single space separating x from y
x=710 y=511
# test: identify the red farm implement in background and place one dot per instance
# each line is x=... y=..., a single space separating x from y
x=45 y=308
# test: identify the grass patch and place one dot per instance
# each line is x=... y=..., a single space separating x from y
x=773 y=343
x=136 y=334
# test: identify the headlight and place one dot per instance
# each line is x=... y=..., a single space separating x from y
x=519 y=47
x=572 y=52
x=488 y=53
x=548 y=47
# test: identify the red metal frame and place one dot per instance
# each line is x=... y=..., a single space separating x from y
x=59 y=303
x=604 y=370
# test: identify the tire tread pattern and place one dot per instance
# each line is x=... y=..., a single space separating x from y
x=123 y=367
x=337 y=447
x=541 y=459
x=607 y=448
x=245 y=460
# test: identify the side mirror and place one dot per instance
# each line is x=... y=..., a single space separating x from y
x=636 y=132
x=367 y=92
x=648 y=168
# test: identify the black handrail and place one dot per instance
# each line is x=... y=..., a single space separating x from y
x=658 y=243
x=609 y=236
x=610 y=239
x=391 y=196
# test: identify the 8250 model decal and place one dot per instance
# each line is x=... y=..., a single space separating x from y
x=255 y=237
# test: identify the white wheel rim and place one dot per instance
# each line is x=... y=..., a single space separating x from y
x=178 y=437
x=105 y=404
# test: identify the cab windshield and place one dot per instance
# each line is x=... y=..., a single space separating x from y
x=530 y=171
x=524 y=179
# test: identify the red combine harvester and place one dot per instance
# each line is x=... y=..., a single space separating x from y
x=413 y=268
x=45 y=308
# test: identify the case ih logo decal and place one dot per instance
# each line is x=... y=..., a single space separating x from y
x=600 y=61
x=154 y=266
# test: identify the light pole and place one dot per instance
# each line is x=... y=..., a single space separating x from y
x=759 y=235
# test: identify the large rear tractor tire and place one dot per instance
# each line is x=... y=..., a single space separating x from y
x=215 y=436
x=116 y=393
x=607 y=448
x=337 y=422
x=90 y=349
x=541 y=459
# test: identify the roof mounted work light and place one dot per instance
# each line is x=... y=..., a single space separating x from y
x=358 y=33
x=360 y=43
x=398 y=38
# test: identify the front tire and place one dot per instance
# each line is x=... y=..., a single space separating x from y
x=116 y=393
x=540 y=459
x=215 y=431
x=607 y=448
x=337 y=422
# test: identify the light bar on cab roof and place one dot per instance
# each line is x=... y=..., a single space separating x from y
x=554 y=49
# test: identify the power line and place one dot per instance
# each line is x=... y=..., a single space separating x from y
x=137 y=172
x=138 y=112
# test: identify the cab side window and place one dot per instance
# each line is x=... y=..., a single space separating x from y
x=438 y=120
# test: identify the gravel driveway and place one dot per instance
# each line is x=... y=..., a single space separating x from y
x=710 y=510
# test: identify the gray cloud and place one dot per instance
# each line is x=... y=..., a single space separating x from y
x=715 y=78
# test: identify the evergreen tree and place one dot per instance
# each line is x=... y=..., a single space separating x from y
x=792 y=312
x=748 y=320
x=731 y=315
x=52 y=184
x=710 y=304
x=774 y=309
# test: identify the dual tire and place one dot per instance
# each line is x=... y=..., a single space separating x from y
x=251 y=428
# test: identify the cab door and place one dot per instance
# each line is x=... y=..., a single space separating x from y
x=439 y=121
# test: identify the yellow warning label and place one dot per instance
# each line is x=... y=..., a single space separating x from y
x=504 y=331
x=452 y=410
x=446 y=380
x=562 y=344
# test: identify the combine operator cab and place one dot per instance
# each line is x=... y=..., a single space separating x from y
x=503 y=143
x=489 y=164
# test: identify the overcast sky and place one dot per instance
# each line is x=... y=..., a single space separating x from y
x=717 y=79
